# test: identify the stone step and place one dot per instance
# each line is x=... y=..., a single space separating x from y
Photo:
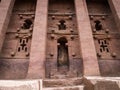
x=80 y=87
x=62 y=82
x=58 y=76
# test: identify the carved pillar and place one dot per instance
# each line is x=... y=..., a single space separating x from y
x=5 y=13
x=115 y=7
x=90 y=62
x=38 y=46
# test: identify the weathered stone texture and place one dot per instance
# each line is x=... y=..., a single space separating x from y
x=13 y=69
x=109 y=68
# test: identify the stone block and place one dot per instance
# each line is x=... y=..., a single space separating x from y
x=106 y=85
x=20 y=85
x=102 y=83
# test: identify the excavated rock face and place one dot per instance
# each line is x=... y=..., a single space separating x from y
x=60 y=42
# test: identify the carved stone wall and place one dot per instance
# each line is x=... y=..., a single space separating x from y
x=63 y=49
x=16 y=47
x=68 y=48
x=106 y=37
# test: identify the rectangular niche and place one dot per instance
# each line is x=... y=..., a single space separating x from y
x=106 y=37
x=63 y=55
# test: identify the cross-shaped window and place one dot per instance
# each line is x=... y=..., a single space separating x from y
x=103 y=46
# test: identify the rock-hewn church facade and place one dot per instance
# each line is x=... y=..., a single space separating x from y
x=61 y=42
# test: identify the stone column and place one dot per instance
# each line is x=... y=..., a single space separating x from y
x=115 y=7
x=6 y=7
x=90 y=62
x=38 y=46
